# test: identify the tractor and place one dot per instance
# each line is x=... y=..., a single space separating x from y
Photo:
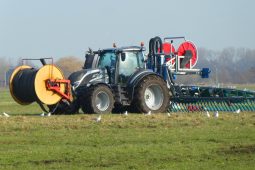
x=117 y=78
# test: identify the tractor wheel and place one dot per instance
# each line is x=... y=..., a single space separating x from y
x=152 y=94
x=99 y=99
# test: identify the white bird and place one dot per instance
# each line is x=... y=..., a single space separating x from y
x=149 y=113
x=216 y=114
x=49 y=114
x=238 y=111
x=98 y=119
x=125 y=113
x=168 y=114
x=42 y=114
x=208 y=114
x=5 y=114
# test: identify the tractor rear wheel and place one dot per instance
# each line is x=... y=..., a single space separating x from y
x=152 y=95
x=99 y=99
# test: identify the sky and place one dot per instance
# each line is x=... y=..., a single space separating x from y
x=60 y=28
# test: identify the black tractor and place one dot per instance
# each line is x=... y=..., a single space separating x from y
x=117 y=78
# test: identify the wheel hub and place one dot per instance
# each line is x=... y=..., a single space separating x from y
x=102 y=101
x=153 y=96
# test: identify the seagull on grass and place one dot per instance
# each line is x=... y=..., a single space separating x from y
x=5 y=114
x=238 y=111
x=98 y=119
x=207 y=114
x=125 y=113
x=216 y=114
x=148 y=114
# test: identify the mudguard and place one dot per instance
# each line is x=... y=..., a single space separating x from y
x=135 y=79
x=85 y=78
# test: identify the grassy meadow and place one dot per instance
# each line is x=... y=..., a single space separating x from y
x=136 y=141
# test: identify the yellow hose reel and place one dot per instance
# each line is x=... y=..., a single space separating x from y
x=46 y=85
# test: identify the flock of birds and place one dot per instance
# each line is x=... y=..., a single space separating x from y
x=215 y=114
x=99 y=118
x=45 y=114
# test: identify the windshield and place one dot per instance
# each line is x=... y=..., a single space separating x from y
x=133 y=61
x=107 y=59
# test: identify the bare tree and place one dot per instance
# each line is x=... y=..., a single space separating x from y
x=4 y=66
x=69 y=64
x=230 y=65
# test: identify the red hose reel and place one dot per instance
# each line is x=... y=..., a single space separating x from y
x=168 y=49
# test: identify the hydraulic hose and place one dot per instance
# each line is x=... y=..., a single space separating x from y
x=155 y=46
x=23 y=85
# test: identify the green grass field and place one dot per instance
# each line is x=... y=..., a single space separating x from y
x=136 y=141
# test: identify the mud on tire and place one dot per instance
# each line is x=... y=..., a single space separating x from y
x=98 y=99
x=151 y=94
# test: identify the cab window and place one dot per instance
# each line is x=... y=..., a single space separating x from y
x=107 y=59
x=133 y=61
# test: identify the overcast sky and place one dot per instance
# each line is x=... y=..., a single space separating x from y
x=58 y=28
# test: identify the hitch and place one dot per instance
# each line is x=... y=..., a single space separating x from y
x=55 y=85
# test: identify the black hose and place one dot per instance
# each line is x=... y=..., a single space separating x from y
x=158 y=48
x=151 y=46
x=23 y=85
x=150 y=55
x=155 y=46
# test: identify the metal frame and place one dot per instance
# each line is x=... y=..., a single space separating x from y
x=177 y=70
x=54 y=85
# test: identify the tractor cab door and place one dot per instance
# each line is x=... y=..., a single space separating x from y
x=107 y=60
x=129 y=63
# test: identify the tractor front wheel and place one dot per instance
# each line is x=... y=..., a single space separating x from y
x=99 y=99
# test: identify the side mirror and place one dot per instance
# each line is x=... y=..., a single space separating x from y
x=123 y=56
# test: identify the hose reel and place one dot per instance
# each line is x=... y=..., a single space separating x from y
x=185 y=48
x=44 y=86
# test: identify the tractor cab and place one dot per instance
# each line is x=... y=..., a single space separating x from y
x=121 y=63
x=131 y=60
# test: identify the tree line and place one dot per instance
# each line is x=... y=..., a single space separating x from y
x=231 y=65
